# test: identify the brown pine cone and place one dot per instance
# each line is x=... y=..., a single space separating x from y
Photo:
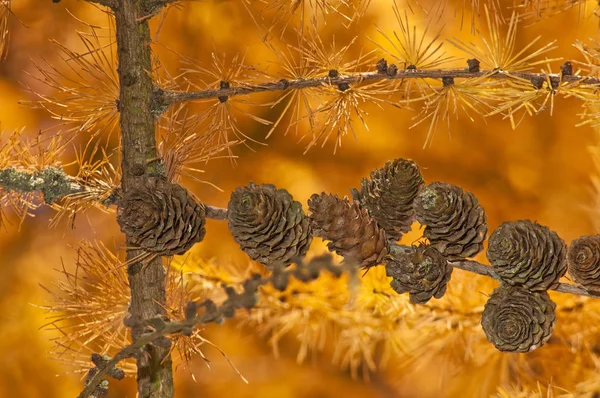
x=517 y=320
x=583 y=257
x=268 y=224
x=422 y=271
x=389 y=195
x=352 y=233
x=527 y=254
x=454 y=221
x=161 y=218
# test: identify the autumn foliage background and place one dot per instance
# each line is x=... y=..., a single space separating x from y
x=544 y=171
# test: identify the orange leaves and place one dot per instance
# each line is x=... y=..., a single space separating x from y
x=221 y=118
x=100 y=179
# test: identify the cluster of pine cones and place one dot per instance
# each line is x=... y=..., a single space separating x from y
x=271 y=227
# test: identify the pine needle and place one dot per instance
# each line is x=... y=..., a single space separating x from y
x=185 y=144
x=499 y=52
x=222 y=117
x=85 y=88
x=88 y=305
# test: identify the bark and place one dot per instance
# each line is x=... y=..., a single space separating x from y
x=147 y=283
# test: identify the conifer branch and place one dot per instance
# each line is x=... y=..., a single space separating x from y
x=54 y=183
x=51 y=181
x=164 y=98
x=247 y=299
x=483 y=269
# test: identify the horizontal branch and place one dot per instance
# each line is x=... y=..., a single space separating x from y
x=53 y=182
x=164 y=98
x=482 y=269
x=215 y=213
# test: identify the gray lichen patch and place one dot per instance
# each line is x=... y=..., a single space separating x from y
x=51 y=181
x=54 y=183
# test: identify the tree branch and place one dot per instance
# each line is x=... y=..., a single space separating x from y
x=52 y=182
x=247 y=299
x=55 y=183
x=164 y=98
x=482 y=269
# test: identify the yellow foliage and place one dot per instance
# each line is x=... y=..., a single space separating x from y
x=380 y=344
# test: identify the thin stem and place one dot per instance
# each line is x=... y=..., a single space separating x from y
x=482 y=269
x=164 y=98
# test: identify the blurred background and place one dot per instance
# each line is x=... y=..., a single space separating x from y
x=543 y=170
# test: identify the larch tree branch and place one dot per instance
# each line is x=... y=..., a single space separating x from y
x=164 y=98
x=247 y=299
x=10 y=179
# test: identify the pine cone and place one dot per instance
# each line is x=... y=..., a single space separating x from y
x=528 y=254
x=389 y=195
x=422 y=271
x=161 y=218
x=268 y=224
x=517 y=320
x=352 y=233
x=583 y=258
x=455 y=222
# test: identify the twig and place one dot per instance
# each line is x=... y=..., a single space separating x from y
x=482 y=269
x=132 y=349
x=216 y=213
x=164 y=98
x=245 y=300
x=53 y=182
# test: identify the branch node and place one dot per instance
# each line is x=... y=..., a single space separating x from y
x=411 y=68
x=343 y=86
x=447 y=81
x=382 y=66
x=333 y=74
x=224 y=85
x=473 y=65
x=538 y=82
x=392 y=70
x=285 y=83
x=157 y=105
x=567 y=69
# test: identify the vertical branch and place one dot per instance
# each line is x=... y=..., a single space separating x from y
x=147 y=283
